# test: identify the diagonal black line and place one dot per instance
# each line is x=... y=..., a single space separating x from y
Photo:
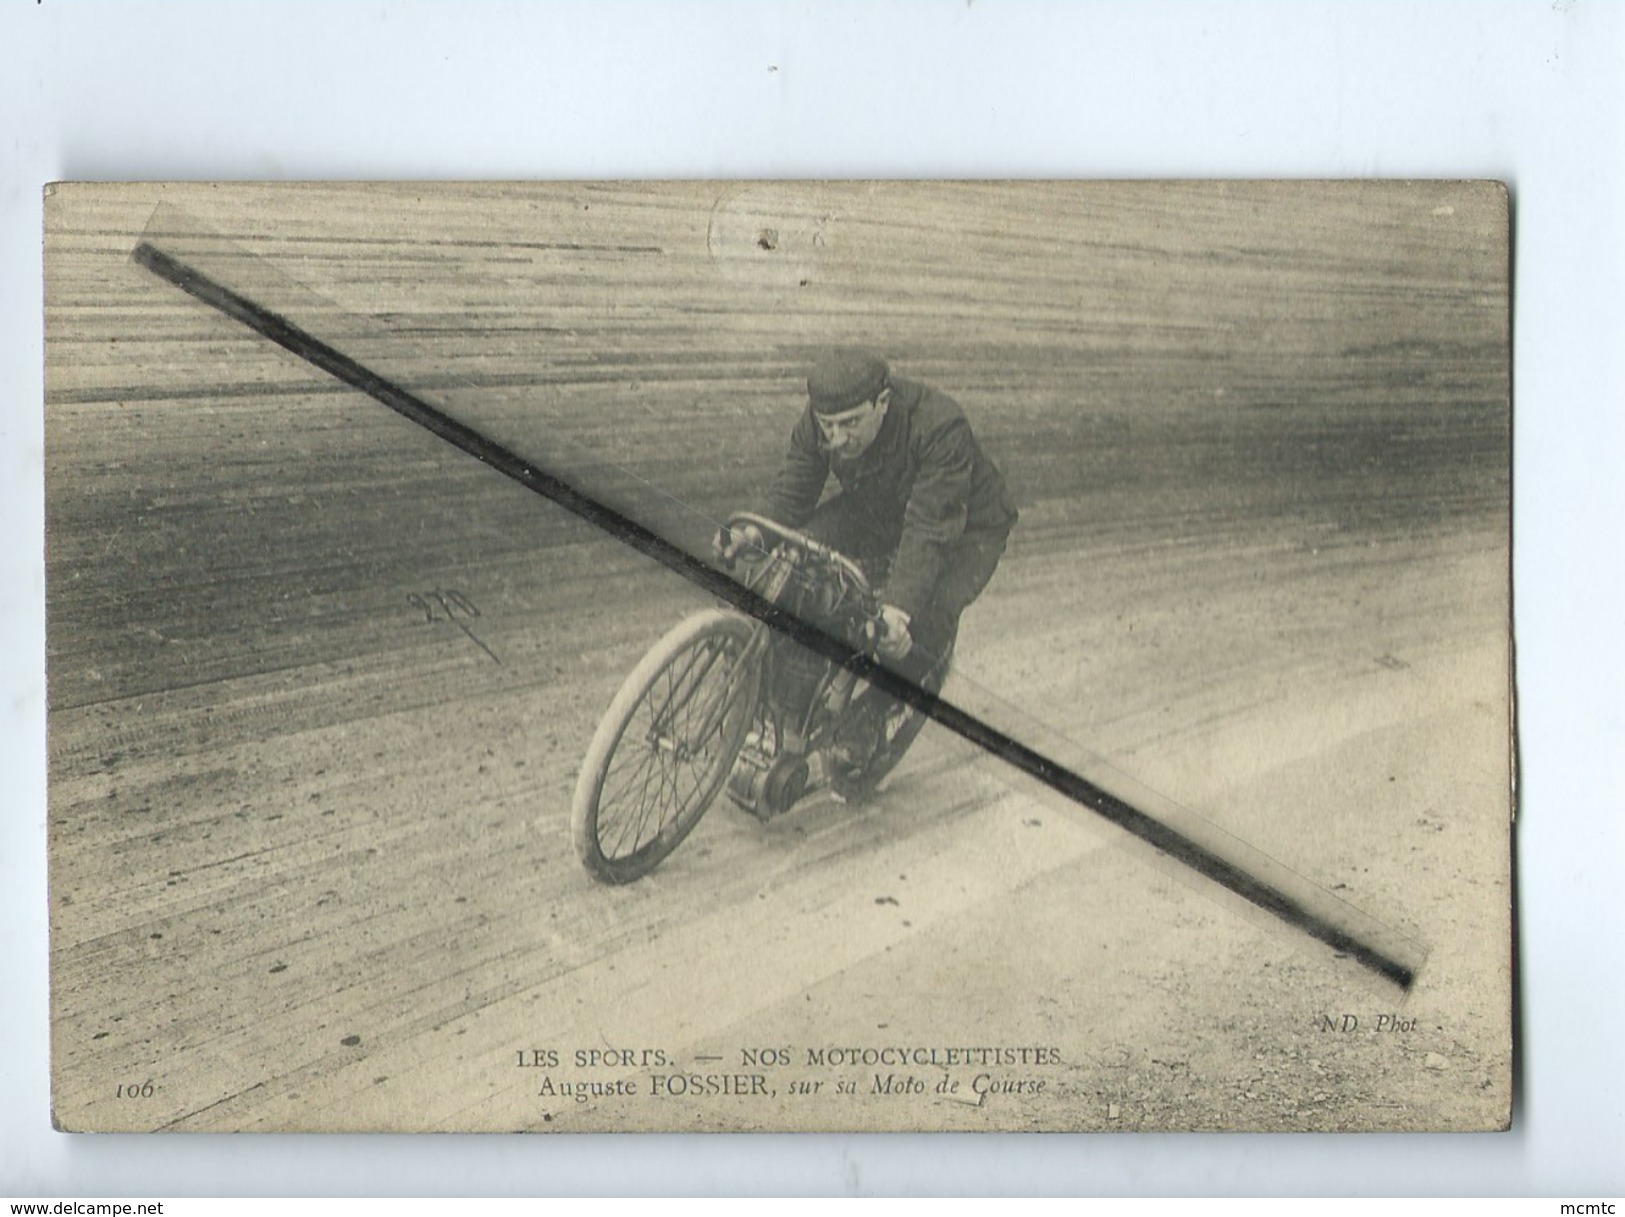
x=1057 y=777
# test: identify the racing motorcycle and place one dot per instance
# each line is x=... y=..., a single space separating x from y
x=725 y=702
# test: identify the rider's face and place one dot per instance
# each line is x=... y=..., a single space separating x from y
x=849 y=433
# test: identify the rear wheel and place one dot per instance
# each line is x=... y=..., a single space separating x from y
x=900 y=724
x=664 y=747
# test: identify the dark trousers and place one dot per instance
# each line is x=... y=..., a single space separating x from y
x=846 y=524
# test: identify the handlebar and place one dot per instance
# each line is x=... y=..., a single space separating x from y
x=783 y=532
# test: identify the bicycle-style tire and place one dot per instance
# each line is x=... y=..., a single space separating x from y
x=903 y=723
x=644 y=784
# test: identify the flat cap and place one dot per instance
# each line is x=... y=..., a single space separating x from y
x=844 y=379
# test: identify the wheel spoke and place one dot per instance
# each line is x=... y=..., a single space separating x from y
x=649 y=771
x=646 y=804
x=670 y=747
x=640 y=745
x=702 y=660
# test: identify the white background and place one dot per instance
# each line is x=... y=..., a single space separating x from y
x=1530 y=93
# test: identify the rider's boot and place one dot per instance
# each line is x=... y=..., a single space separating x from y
x=859 y=736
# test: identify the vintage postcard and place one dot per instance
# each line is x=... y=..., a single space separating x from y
x=883 y=656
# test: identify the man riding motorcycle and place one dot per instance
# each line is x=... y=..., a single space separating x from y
x=917 y=498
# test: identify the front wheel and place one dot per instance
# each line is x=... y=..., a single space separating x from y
x=664 y=747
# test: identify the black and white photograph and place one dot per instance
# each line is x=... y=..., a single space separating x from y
x=779 y=656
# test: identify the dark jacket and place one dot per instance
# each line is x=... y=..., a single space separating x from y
x=924 y=478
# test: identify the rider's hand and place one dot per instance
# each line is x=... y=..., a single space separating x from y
x=729 y=542
x=895 y=641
